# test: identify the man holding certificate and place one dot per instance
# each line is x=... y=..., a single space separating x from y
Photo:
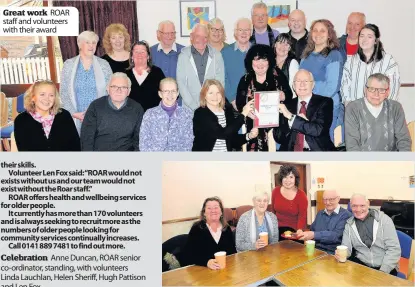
x=305 y=121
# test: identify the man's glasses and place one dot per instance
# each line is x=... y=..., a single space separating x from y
x=333 y=199
x=243 y=30
x=168 y=33
x=117 y=88
x=302 y=82
x=380 y=90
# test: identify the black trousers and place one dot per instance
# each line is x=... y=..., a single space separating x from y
x=394 y=272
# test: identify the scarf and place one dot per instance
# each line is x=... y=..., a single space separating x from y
x=45 y=121
x=253 y=230
x=270 y=36
x=168 y=110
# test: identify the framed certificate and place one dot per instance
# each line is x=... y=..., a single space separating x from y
x=267 y=109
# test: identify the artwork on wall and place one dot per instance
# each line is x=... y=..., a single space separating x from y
x=193 y=12
x=278 y=12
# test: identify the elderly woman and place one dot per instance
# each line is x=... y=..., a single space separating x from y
x=84 y=78
x=261 y=75
x=289 y=202
x=255 y=221
x=144 y=76
x=167 y=127
x=215 y=126
x=217 y=35
x=117 y=47
x=209 y=235
x=285 y=56
x=45 y=126
x=370 y=59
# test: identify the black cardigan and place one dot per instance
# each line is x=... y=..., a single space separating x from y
x=201 y=246
x=30 y=136
x=207 y=130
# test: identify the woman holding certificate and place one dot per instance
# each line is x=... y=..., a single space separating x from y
x=260 y=76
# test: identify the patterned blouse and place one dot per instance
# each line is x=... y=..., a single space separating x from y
x=85 y=87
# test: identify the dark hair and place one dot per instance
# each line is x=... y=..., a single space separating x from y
x=378 y=49
x=332 y=41
x=260 y=51
x=285 y=170
x=284 y=38
x=202 y=218
x=145 y=44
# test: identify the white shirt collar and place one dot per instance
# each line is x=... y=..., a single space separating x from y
x=375 y=111
x=173 y=47
x=237 y=47
x=307 y=100
x=337 y=210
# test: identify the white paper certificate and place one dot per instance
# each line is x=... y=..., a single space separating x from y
x=267 y=109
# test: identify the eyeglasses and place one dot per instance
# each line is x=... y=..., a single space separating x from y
x=243 y=30
x=302 y=82
x=260 y=15
x=214 y=30
x=380 y=90
x=117 y=88
x=169 y=92
x=168 y=33
x=330 y=199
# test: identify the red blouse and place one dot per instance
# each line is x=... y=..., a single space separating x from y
x=290 y=213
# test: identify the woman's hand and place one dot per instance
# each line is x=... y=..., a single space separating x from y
x=249 y=107
x=259 y=244
x=253 y=133
x=80 y=116
x=213 y=264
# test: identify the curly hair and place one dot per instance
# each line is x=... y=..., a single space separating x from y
x=286 y=170
x=29 y=104
x=260 y=51
x=115 y=28
x=202 y=217
x=332 y=41
x=378 y=49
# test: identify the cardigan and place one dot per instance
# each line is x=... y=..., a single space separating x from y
x=30 y=136
x=201 y=246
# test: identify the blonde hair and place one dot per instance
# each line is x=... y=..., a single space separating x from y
x=87 y=36
x=168 y=80
x=29 y=104
x=116 y=28
x=213 y=22
x=205 y=88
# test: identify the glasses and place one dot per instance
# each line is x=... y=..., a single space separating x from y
x=380 y=90
x=302 y=82
x=260 y=15
x=168 y=33
x=214 y=30
x=330 y=199
x=169 y=92
x=243 y=30
x=117 y=88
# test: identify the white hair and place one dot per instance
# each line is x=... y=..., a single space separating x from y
x=119 y=75
x=165 y=22
x=87 y=36
x=257 y=6
x=359 y=14
x=198 y=25
x=358 y=195
x=260 y=194
x=308 y=72
x=243 y=20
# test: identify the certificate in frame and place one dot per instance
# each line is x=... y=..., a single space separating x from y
x=267 y=109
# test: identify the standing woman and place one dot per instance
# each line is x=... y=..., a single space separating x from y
x=145 y=77
x=117 y=47
x=288 y=202
x=370 y=59
x=84 y=78
x=45 y=126
x=217 y=35
x=323 y=59
x=285 y=57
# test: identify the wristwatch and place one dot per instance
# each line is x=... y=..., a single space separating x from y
x=247 y=137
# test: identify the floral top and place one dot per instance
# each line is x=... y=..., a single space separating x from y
x=45 y=121
x=85 y=87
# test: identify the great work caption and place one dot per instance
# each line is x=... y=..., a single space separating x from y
x=38 y=21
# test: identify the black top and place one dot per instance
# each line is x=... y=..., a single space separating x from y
x=30 y=136
x=201 y=246
x=116 y=66
x=365 y=228
x=146 y=94
x=299 y=45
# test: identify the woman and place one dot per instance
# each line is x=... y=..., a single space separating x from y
x=84 y=78
x=261 y=75
x=322 y=58
x=167 y=127
x=217 y=35
x=209 y=235
x=285 y=57
x=117 y=46
x=371 y=58
x=288 y=202
x=145 y=77
x=215 y=126
x=255 y=221
x=45 y=126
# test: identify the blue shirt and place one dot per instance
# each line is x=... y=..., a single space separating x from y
x=166 y=62
x=85 y=87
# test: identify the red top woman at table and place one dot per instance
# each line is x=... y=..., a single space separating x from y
x=289 y=202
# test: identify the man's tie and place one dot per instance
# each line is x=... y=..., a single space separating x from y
x=299 y=141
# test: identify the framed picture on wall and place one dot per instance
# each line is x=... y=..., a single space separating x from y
x=193 y=12
x=278 y=11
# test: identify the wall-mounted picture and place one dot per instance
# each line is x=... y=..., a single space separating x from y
x=278 y=12
x=193 y=12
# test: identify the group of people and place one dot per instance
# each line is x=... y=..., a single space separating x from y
x=129 y=98
x=369 y=234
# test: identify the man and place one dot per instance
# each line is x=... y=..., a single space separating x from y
x=112 y=123
x=371 y=236
x=327 y=229
x=305 y=120
x=263 y=34
x=349 y=43
x=233 y=58
x=375 y=123
x=298 y=32
x=197 y=63
x=166 y=53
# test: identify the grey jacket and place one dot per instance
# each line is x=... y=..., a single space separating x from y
x=188 y=80
x=385 y=251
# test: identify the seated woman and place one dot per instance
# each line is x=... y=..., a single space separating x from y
x=289 y=202
x=117 y=44
x=209 y=235
x=255 y=221
x=215 y=126
x=45 y=126
x=167 y=127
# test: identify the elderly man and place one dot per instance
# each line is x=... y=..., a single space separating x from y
x=327 y=229
x=197 y=63
x=112 y=123
x=166 y=52
x=298 y=32
x=263 y=34
x=233 y=57
x=349 y=43
x=370 y=236
x=375 y=123
x=305 y=120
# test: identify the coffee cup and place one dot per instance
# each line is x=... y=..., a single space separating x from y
x=264 y=237
x=221 y=259
x=342 y=253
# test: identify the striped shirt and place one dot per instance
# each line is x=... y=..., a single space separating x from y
x=220 y=145
x=356 y=72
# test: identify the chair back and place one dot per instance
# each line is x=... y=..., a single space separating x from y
x=405 y=241
x=349 y=208
x=4 y=110
x=228 y=214
x=241 y=210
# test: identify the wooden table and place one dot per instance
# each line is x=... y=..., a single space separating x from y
x=245 y=268
x=326 y=271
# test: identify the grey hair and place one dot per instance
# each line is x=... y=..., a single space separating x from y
x=242 y=20
x=168 y=80
x=198 y=25
x=215 y=21
x=119 y=75
x=358 y=195
x=308 y=72
x=260 y=194
x=166 y=22
x=361 y=15
x=380 y=77
x=258 y=5
x=87 y=36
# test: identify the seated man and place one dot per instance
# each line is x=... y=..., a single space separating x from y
x=305 y=121
x=371 y=236
x=112 y=123
x=374 y=123
x=327 y=229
